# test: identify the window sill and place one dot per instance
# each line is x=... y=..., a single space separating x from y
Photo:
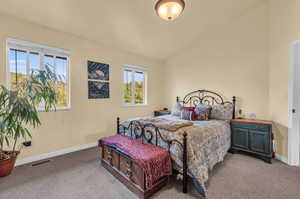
x=134 y=105
x=57 y=109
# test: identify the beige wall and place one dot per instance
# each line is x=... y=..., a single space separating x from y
x=231 y=60
x=88 y=119
x=247 y=58
x=284 y=29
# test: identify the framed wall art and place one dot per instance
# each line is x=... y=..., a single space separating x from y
x=98 y=80
x=98 y=71
x=98 y=90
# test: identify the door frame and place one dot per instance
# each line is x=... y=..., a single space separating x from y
x=293 y=125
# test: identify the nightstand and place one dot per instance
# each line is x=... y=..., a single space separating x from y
x=252 y=136
x=161 y=112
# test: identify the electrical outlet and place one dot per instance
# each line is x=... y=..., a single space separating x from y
x=27 y=143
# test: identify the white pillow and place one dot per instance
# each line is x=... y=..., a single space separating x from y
x=176 y=110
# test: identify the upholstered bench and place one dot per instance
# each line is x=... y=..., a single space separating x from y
x=143 y=168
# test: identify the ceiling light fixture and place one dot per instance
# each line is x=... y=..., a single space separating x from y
x=169 y=9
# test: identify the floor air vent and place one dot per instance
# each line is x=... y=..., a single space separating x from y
x=40 y=163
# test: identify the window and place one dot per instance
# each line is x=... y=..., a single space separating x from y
x=134 y=85
x=26 y=57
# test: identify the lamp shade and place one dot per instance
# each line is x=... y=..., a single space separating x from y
x=169 y=9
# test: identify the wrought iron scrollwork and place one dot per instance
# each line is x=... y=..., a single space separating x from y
x=151 y=134
x=202 y=97
x=147 y=133
x=205 y=97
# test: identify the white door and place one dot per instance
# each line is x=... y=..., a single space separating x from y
x=294 y=106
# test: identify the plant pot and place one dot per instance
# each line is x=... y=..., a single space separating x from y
x=8 y=164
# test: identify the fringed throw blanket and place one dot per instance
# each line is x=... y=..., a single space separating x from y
x=163 y=123
x=155 y=161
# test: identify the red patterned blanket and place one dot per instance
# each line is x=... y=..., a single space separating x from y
x=155 y=161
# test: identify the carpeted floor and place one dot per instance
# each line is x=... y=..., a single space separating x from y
x=80 y=176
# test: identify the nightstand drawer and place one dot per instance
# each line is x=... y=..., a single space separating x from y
x=258 y=127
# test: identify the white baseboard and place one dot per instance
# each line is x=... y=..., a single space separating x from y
x=281 y=158
x=86 y=146
x=54 y=154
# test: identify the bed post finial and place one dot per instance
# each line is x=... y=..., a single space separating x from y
x=118 y=125
x=233 y=102
x=185 y=165
x=177 y=99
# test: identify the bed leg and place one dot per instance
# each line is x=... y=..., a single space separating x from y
x=185 y=166
x=118 y=125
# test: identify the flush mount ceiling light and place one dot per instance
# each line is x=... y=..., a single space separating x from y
x=169 y=9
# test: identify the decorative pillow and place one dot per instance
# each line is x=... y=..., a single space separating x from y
x=192 y=109
x=176 y=109
x=222 y=112
x=186 y=114
x=202 y=111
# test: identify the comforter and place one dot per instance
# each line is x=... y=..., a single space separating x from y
x=207 y=144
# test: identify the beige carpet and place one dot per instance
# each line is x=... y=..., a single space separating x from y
x=79 y=176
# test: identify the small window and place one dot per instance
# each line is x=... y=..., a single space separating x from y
x=134 y=86
x=17 y=66
x=25 y=57
x=34 y=62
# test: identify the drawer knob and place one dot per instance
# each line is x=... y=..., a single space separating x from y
x=129 y=173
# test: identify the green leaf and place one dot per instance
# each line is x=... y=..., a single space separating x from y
x=7 y=141
x=18 y=108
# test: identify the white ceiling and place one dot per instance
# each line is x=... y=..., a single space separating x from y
x=129 y=25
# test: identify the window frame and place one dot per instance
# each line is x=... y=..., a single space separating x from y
x=42 y=50
x=134 y=69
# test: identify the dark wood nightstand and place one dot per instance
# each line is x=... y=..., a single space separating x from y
x=252 y=136
x=161 y=112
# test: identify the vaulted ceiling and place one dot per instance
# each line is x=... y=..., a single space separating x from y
x=129 y=25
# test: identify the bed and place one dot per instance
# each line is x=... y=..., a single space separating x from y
x=195 y=148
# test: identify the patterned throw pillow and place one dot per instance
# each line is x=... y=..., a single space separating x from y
x=186 y=114
x=222 y=112
x=193 y=116
x=202 y=111
x=176 y=109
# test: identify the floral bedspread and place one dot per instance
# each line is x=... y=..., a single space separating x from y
x=208 y=143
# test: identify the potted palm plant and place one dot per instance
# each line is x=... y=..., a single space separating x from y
x=19 y=111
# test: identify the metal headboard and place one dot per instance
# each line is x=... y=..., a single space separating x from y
x=205 y=97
